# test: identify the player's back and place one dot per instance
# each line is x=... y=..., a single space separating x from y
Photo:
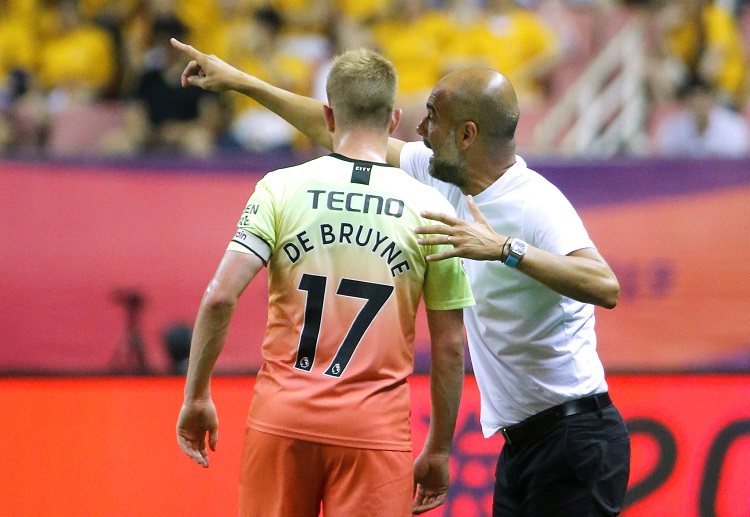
x=345 y=278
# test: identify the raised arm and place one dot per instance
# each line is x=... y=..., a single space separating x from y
x=211 y=73
x=198 y=414
x=431 y=468
x=304 y=113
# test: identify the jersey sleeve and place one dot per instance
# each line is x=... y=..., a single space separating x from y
x=446 y=285
x=256 y=229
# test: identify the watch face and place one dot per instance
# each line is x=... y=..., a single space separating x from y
x=518 y=247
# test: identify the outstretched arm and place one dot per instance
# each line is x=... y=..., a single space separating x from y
x=431 y=469
x=198 y=414
x=583 y=275
x=304 y=113
x=211 y=73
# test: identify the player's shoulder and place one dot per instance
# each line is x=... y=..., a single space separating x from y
x=420 y=194
x=531 y=179
x=298 y=168
x=285 y=177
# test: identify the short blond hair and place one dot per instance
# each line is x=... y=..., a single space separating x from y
x=361 y=89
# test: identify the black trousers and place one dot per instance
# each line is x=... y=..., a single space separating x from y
x=577 y=467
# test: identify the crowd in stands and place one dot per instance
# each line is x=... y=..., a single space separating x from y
x=100 y=77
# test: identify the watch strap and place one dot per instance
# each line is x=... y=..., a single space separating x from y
x=512 y=261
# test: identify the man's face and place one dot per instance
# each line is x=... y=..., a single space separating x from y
x=438 y=134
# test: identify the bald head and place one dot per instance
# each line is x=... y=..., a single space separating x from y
x=485 y=97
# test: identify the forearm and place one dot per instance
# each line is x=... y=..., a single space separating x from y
x=583 y=275
x=580 y=275
x=209 y=335
x=304 y=113
x=446 y=385
x=211 y=73
x=234 y=273
x=446 y=378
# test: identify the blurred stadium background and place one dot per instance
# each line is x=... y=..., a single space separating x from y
x=119 y=191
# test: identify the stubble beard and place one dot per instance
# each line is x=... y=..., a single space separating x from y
x=449 y=171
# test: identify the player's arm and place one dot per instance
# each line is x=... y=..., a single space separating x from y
x=304 y=113
x=431 y=469
x=583 y=275
x=198 y=414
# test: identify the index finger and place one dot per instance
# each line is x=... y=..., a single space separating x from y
x=438 y=216
x=187 y=49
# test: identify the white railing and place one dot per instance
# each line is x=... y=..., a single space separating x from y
x=604 y=111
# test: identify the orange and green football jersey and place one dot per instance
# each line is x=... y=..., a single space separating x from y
x=346 y=275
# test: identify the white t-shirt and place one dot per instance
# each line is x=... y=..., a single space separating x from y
x=531 y=347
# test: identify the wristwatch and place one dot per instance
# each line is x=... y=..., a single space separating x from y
x=516 y=251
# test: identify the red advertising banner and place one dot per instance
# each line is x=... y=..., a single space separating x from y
x=106 y=446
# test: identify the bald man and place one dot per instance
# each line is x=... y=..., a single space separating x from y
x=535 y=274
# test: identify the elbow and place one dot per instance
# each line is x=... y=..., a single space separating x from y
x=217 y=300
x=611 y=295
x=451 y=355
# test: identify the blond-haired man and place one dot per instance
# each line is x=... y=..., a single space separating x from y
x=329 y=422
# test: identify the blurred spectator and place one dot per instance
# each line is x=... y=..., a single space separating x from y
x=258 y=50
x=364 y=12
x=28 y=114
x=116 y=19
x=61 y=58
x=414 y=38
x=523 y=47
x=18 y=42
x=181 y=120
x=341 y=33
x=79 y=60
x=698 y=38
x=702 y=127
x=513 y=40
x=302 y=15
x=12 y=86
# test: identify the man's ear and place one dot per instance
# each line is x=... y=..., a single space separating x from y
x=395 y=119
x=330 y=121
x=466 y=135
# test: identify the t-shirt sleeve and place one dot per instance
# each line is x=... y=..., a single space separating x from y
x=557 y=226
x=256 y=228
x=446 y=285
